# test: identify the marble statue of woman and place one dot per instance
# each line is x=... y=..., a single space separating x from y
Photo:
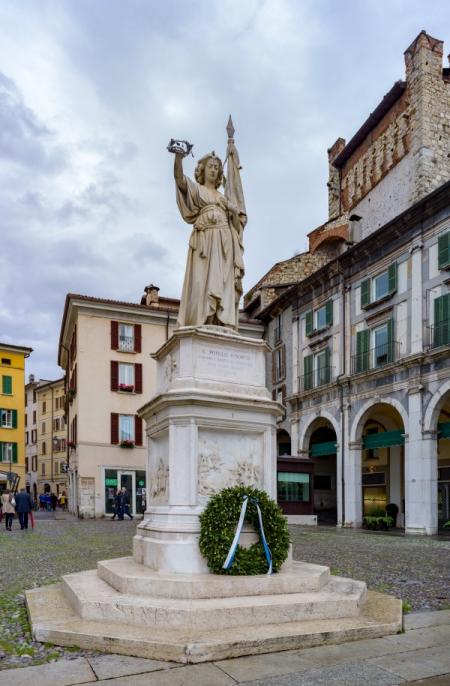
x=213 y=280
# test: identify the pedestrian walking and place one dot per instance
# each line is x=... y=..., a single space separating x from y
x=54 y=501
x=42 y=501
x=9 y=508
x=24 y=505
x=126 y=503
x=118 y=504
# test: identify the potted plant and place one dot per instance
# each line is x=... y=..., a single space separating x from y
x=392 y=512
x=127 y=388
x=127 y=443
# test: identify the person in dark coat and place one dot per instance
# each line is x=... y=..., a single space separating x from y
x=118 y=504
x=126 y=503
x=24 y=505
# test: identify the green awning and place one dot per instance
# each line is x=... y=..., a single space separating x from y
x=383 y=439
x=444 y=430
x=322 y=449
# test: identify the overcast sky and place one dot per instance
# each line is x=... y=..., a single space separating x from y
x=91 y=91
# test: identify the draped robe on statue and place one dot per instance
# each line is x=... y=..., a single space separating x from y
x=214 y=269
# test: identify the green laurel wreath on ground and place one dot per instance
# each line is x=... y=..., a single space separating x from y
x=218 y=525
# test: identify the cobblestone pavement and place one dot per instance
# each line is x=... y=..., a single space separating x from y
x=413 y=568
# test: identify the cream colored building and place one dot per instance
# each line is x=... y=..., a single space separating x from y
x=105 y=349
x=51 y=438
x=31 y=431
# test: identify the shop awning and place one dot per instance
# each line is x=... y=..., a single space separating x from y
x=323 y=449
x=383 y=439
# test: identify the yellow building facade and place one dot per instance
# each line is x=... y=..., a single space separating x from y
x=51 y=437
x=12 y=415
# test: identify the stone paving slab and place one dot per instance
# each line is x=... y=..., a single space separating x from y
x=194 y=675
x=61 y=673
x=109 y=666
x=418 y=620
x=263 y=666
x=417 y=664
x=350 y=674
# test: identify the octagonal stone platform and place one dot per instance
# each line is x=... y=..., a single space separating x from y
x=124 y=607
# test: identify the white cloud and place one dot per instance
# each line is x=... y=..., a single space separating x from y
x=91 y=92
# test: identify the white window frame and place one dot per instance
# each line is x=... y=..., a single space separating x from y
x=7 y=452
x=6 y=419
x=317 y=325
x=126 y=374
x=126 y=337
x=124 y=435
x=373 y=333
x=373 y=284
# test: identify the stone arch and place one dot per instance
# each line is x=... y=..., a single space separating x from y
x=434 y=407
x=309 y=429
x=358 y=422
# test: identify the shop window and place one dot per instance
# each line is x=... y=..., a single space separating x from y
x=293 y=486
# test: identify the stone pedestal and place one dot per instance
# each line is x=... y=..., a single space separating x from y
x=211 y=424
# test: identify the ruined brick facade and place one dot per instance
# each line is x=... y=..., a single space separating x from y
x=401 y=152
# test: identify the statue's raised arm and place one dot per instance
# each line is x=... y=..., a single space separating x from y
x=213 y=280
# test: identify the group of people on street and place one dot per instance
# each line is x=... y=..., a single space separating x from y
x=50 y=501
x=16 y=503
x=122 y=504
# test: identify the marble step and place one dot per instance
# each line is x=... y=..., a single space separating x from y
x=54 y=620
x=94 y=599
x=128 y=577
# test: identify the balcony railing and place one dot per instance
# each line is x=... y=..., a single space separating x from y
x=375 y=357
x=126 y=343
x=318 y=377
x=439 y=334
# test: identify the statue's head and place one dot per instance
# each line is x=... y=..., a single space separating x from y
x=209 y=166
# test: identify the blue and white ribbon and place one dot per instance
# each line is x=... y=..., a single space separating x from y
x=232 y=552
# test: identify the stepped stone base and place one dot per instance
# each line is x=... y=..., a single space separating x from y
x=126 y=608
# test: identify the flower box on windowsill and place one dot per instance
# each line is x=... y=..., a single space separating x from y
x=126 y=388
x=127 y=444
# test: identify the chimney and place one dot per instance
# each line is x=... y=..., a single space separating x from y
x=31 y=378
x=334 y=185
x=150 y=297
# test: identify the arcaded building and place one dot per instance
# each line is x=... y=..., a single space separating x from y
x=361 y=344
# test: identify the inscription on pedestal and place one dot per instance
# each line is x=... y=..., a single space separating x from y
x=227 y=365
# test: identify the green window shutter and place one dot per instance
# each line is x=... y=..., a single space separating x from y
x=441 y=333
x=365 y=293
x=329 y=312
x=309 y=322
x=444 y=250
x=390 y=337
x=362 y=350
x=327 y=366
x=308 y=372
x=14 y=419
x=392 y=275
x=7 y=385
x=14 y=453
x=1 y=451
